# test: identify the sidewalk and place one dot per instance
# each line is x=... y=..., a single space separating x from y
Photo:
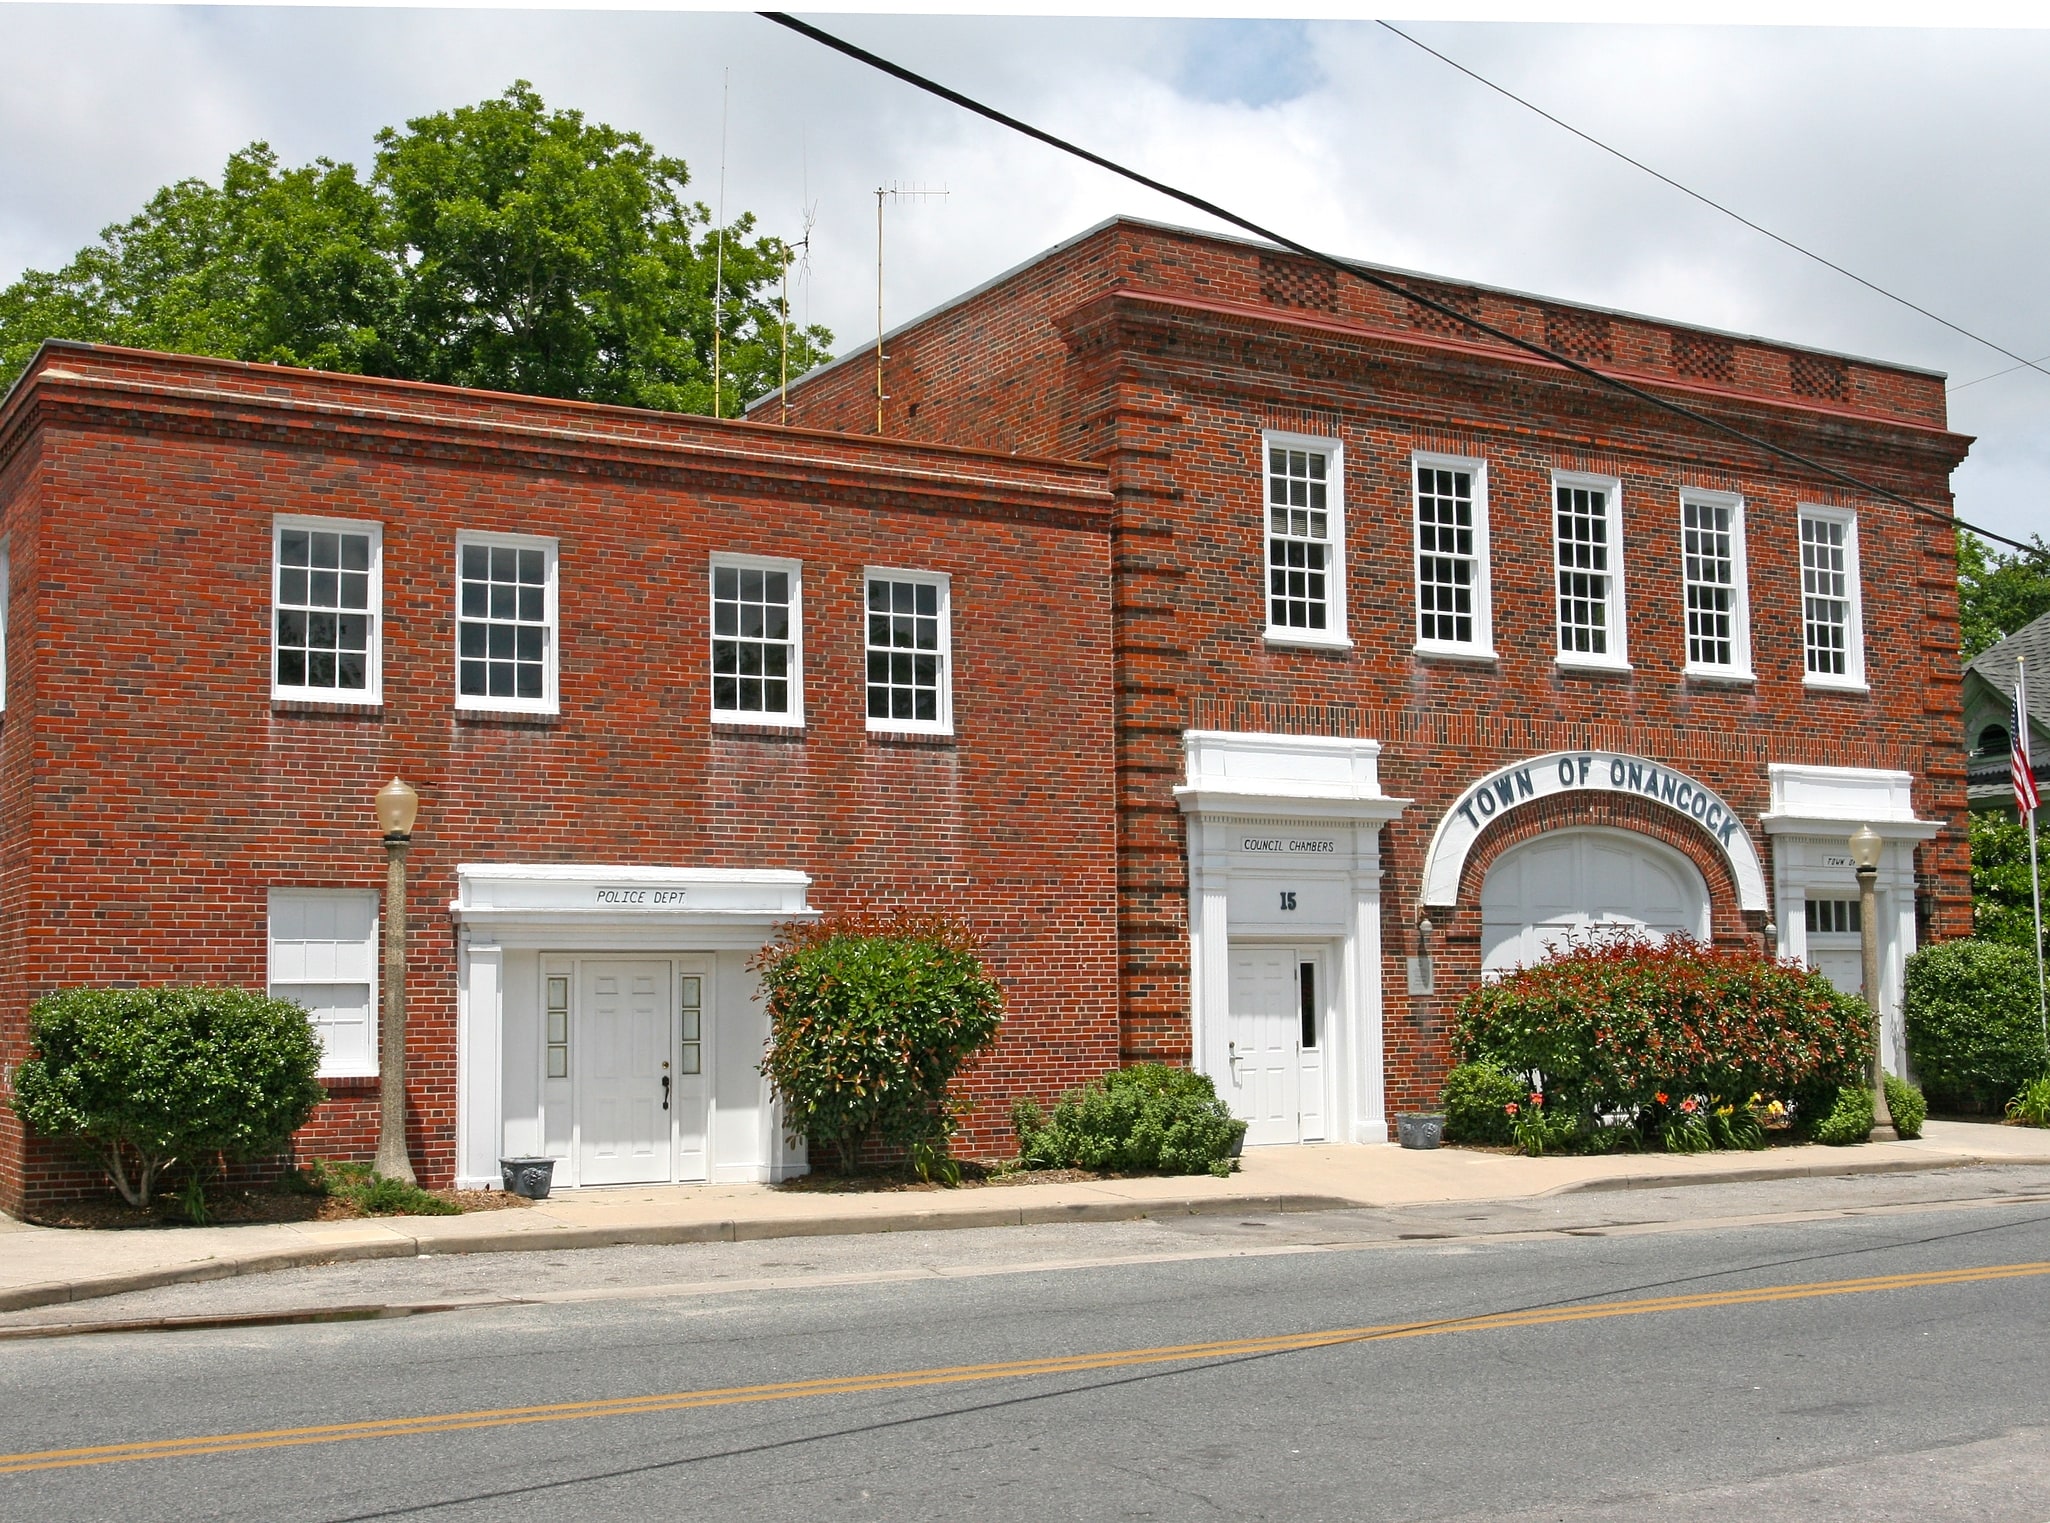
x=42 y=1266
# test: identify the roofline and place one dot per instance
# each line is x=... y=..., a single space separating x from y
x=1128 y=220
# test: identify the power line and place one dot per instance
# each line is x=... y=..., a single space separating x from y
x=2036 y=363
x=1714 y=205
x=1369 y=276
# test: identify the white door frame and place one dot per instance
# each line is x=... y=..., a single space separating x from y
x=1284 y=847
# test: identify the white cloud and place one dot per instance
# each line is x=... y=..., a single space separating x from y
x=1909 y=156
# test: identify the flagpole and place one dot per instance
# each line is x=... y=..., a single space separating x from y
x=2023 y=749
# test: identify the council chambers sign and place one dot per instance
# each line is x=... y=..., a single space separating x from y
x=1525 y=782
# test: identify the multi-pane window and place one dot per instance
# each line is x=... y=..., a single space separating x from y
x=1829 y=597
x=1712 y=562
x=1303 y=542
x=1588 y=558
x=1835 y=917
x=505 y=623
x=323 y=957
x=1451 y=557
x=907 y=651
x=325 y=601
x=755 y=650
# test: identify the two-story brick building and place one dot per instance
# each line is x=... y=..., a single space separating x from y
x=1428 y=651
x=1256 y=658
x=662 y=683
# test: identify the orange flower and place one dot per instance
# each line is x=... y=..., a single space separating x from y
x=1662 y=1097
x=1536 y=1098
x=1510 y=1108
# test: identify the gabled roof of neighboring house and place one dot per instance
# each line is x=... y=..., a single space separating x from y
x=1995 y=666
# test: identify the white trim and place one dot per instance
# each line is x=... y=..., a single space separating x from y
x=373 y=690
x=1334 y=635
x=1853 y=677
x=1739 y=667
x=548 y=702
x=372 y=953
x=944 y=725
x=1617 y=657
x=793 y=717
x=1482 y=646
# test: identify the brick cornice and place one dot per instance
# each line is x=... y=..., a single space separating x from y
x=95 y=386
x=1821 y=427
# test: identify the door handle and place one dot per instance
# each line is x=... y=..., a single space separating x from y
x=665 y=1092
x=1232 y=1052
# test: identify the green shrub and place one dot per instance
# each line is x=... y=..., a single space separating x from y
x=1537 y=1128
x=870 y=1018
x=2032 y=1106
x=1849 y=1118
x=1475 y=1100
x=142 y=1079
x=1609 y=1026
x=1909 y=1109
x=1975 y=1033
x=1146 y=1117
x=370 y=1192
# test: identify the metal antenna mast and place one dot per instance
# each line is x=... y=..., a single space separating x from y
x=790 y=253
x=890 y=193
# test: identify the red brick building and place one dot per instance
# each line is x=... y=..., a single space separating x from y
x=661 y=682
x=1255 y=658
x=1428 y=651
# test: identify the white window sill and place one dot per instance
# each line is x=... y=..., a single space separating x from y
x=347 y=1076
x=1836 y=684
x=883 y=727
x=1478 y=654
x=1719 y=674
x=515 y=710
x=1590 y=664
x=1307 y=639
x=330 y=697
x=759 y=721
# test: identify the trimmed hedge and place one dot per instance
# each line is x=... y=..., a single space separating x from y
x=1476 y=1100
x=143 y=1079
x=870 y=1018
x=1146 y=1117
x=1621 y=1024
x=1975 y=1034
x=1909 y=1109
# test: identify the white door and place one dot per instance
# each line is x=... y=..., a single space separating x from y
x=1583 y=880
x=1274 y=1044
x=625 y=1085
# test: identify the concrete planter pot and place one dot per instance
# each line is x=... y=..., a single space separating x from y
x=529 y=1177
x=1417 y=1130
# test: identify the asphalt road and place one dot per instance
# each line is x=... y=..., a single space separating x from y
x=1872 y=1352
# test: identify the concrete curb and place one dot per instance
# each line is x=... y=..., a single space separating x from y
x=544 y=1240
x=1833 y=1170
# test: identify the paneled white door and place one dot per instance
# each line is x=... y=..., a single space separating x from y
x=625 y=1085
x=1274 y=1071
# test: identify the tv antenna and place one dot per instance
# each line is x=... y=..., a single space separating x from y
x=891 y=192
x=792 y=255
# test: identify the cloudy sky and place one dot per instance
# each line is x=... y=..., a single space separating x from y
x=1919 y=158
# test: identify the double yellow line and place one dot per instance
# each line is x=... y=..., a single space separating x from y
x=964 y=1374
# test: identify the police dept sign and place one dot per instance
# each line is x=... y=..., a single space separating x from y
x=1509 y=788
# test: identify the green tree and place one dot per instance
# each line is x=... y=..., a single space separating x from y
x=2002 y=907
x=501 y=245
x=1998 y=594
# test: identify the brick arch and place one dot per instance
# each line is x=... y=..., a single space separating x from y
x=1728 y=923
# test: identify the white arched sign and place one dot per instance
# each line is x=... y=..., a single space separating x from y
x=1525 y=782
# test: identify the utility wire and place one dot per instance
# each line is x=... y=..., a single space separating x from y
x=1370 y=277
x=1714 y=205
x=2010 y=370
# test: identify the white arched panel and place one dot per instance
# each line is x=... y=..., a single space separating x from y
x=1581 y=880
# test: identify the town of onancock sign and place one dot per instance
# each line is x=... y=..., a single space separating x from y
x=1538 y=777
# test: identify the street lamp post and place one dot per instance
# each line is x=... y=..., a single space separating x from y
x=1866 y=846
x=397 y=805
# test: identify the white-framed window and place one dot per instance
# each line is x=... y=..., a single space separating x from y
x=1832 y=621
x=323 y=956
x=505 y=623
x=1305 y=536
x=1714 y=584
x=1587 y=558
x=1453 y=614
x=909 y=650
x=757 y=640
x=327 y=595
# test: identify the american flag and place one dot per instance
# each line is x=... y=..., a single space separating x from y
x=2026 y=799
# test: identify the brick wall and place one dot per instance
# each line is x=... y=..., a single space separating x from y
x=1163 y=354
x=155 y=793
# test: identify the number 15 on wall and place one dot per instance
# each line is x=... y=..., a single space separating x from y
x=1287 y=898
